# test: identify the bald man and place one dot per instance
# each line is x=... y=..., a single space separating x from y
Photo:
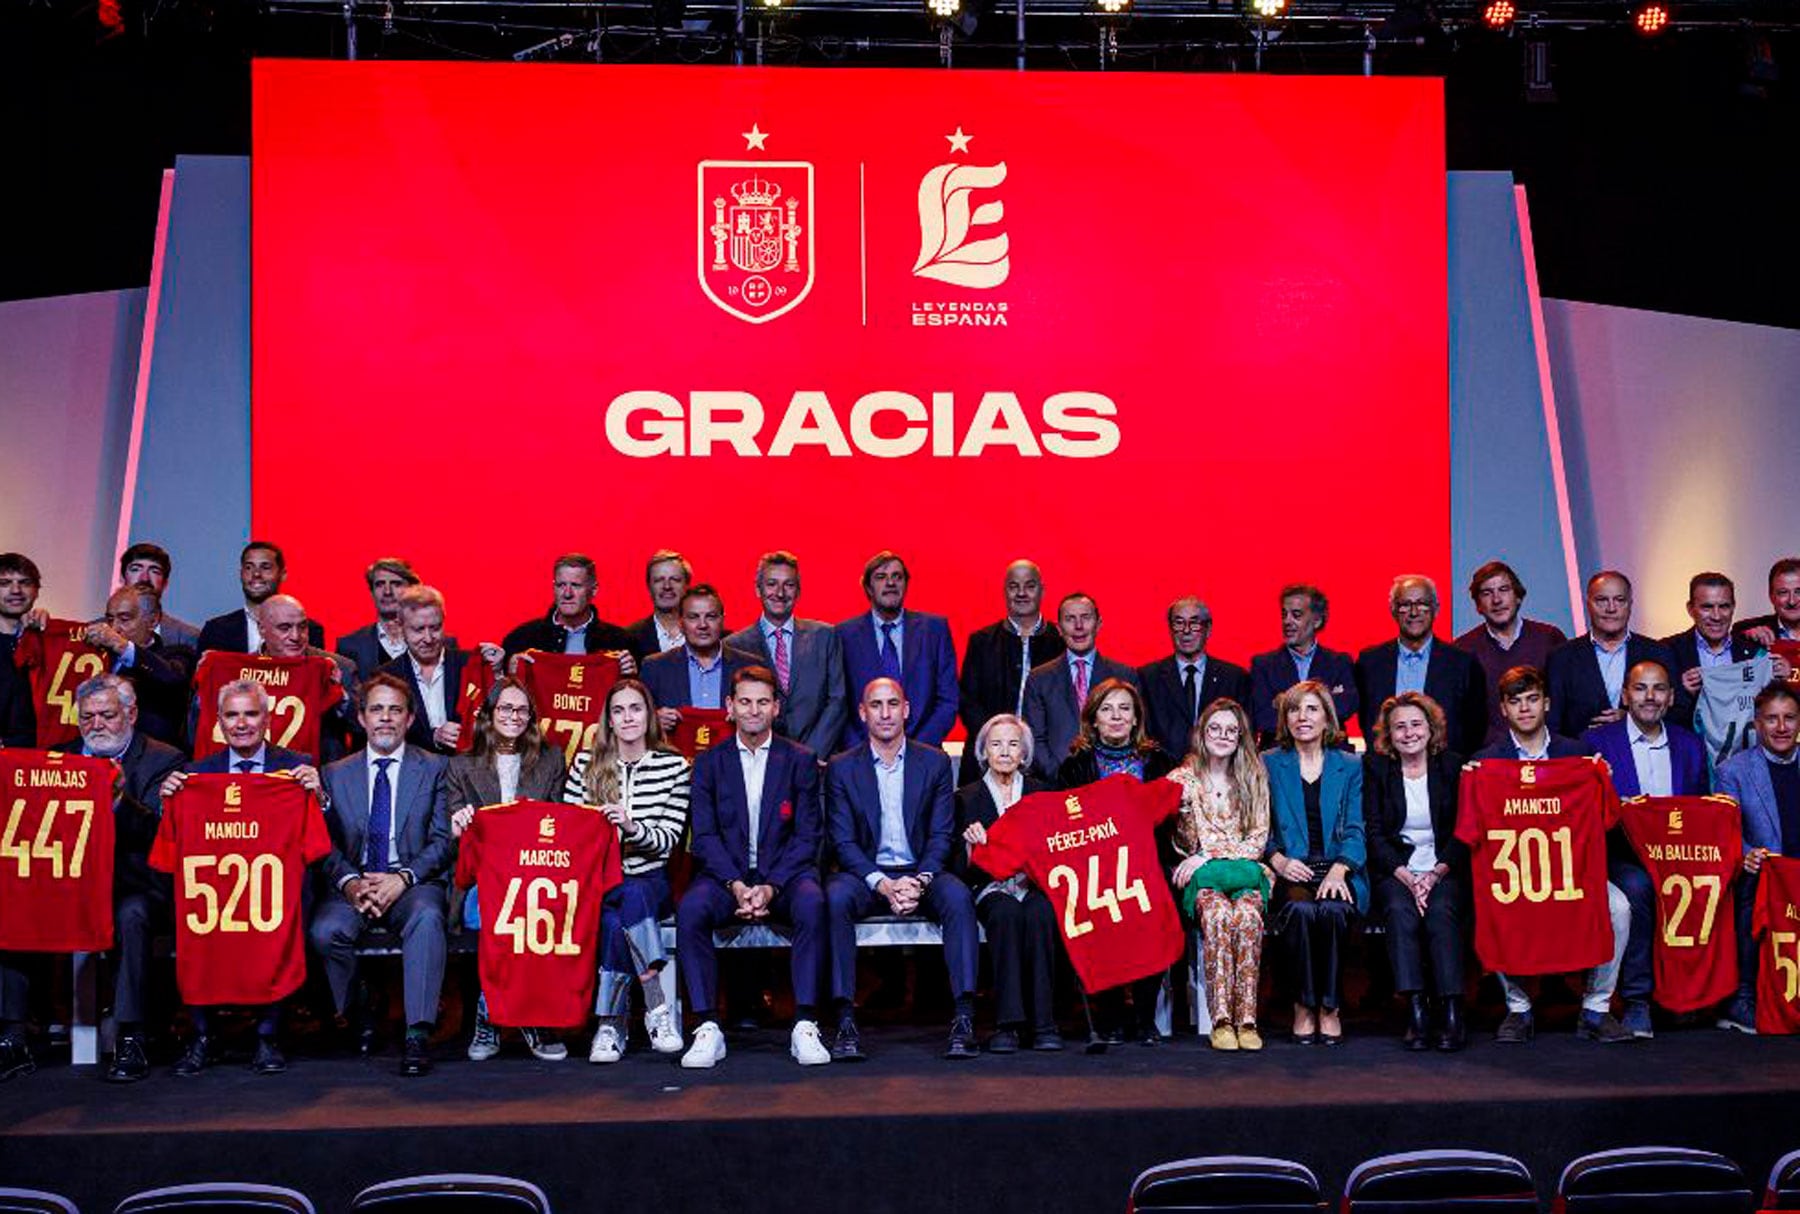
x=1001 y=655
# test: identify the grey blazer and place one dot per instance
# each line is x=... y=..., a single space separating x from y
x=1051 y=710
x=421 y=815
x=473 y=781
x=815 y=710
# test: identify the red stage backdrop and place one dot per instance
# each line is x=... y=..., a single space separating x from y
x=1163 y=333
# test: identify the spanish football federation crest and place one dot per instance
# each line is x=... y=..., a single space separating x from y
x=756 y=235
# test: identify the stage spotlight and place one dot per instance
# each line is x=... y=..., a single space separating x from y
x=1499 y=14
x=1651 y=18
x=1269 y=10
x=943 y=10
x=1111 y=8
x=772 y=6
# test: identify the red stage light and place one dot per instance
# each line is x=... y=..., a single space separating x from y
x=1651 y=18
x=1498 y=14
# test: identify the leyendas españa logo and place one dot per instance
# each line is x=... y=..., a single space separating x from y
x=951 y=246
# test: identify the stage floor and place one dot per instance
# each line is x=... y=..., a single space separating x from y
x=904 y=1131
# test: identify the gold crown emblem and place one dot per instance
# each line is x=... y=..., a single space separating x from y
x=1073 y=805
x=234 y=796
x=546 y=828
x=1528 y=774
x=755 y=192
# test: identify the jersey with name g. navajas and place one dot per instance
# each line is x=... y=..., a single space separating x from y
x=1727 y=706
x=301 y=691
x=56 y=852
x=1692 y=847
x=1093 y=851
x=699 y=729
x=57 y=661
x=1776 y=926
x=544 y=866
x=568 y=689
x=477 y=680
x=238 y=846
x=1536 y=832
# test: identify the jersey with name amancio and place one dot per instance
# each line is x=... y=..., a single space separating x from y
x=1093 y=851
x=1776 y=926
x=301 y=691
x=1726 y=710
x=699 y=729
x=568 y=689
x=238 y=846
x=543 y=867
x=1536 y=833
x=56 y=852
x=471 y=696
x=57 y=661
x=1692 y=848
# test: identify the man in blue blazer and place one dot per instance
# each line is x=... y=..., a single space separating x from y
x=910 y=647
x=1415 y=660
x=1766 y=782
x=890 y=805
x=1178 y=688
x=1304 y=610
x=697 y=673
x=757 y=822
x=390 y=861
x=1056 y=690
x=1586 y=677
x=814 y=707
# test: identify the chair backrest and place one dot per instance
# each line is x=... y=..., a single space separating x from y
x=216 y=1197
x=452 y=1193
x=1440 y=1182
x=1227 y=1184
x=34 y=1201
x=1654 y=1180
x=1784 y=1184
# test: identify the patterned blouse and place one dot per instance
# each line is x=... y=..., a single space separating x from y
x=1207 y=823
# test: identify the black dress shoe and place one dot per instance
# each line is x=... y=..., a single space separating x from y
x=1455 y=1033
x=1418 y=1026
x=269 y=1059
x=194 y=1059
x=15 y=1058
x=415 y=1057
x=129 y=1064
x=962 y=1039
x=1047 y=1040
x=847 y=1045
x=1148 y=1036
x=1004 y=1041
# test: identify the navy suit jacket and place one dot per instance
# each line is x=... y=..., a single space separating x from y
x=1051 y=710
x=1274 y=672
x=455 y=662
x=1577 y=692
x=790 y=823
x=364 y=648
x=813 y=708
x=1559 y=748
x=1687 y=759
x=231 y=632
x=1685 y=647
x=421 y=816
x=1171 y=716
x=1452 y=677
x=853 y=808
x=666 y=675
x=275 y=758
x=1745 y=775
x=927 y=672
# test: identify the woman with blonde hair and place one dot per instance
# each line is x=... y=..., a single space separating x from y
x=1221 y=880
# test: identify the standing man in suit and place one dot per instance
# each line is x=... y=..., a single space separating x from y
x=911 y=647
x=390 y=861
x=1711 y=604
x=667 y=576
x=285 y=630
x=262 y=568
x=891 y=810
x=1766 y=782
x=806 y=656
x=149 y=565
x=1586 y=677
x=1000 y=657
x=1057 y=689
x=376 y=644
x=1304 y=611
x=1178 y=688
x=162 y=674
x=757 y=824
x=698 y=673
x=1504 y=638
x=572 y=625
x=19 y=585
x=1783 y=623
x=432 y=668
x=1417 y=661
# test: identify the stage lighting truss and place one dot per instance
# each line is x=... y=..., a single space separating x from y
x=1111 y=8
x=1499 y=14
x=1268 y=10
x=943 y=10
x=1651 y=18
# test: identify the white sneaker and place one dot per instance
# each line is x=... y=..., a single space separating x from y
x=665 y=1038
x=708 y=1049
x=607 y=1047
x=545 y=1049
x=486 y=1042
x=805 y=1046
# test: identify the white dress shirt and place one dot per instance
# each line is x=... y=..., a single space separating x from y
x=1651 y=758
x=431 y=691
x=755 y=765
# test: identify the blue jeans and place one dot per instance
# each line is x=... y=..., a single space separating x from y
x=630 y=937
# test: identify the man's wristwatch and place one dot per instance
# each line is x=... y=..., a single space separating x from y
x=407 y=875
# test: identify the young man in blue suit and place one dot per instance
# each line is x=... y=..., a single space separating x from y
x=807 y=657
x=890 y=804
x=757 y=821
x=910 y=647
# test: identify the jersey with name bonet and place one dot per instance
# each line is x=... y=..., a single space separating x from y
x=568 y=689
x=1692 y=848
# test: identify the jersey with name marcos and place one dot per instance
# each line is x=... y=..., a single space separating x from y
x=301 y=691
x=56 y=852
x=567 y=690
x=545 y=866
x=57 y=661
x=1776 y=926
x=1537 y=839
x=477 y=680
x=700 y=729
x=1727 y=707
x=1693 y=848
x=1093 y=851
x=238 y=846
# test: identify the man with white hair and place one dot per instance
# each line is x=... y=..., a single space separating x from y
x=1415 y=660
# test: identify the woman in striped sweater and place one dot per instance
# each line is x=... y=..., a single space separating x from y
x=642 y=788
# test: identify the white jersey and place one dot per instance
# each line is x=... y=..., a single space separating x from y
x=1727 y=706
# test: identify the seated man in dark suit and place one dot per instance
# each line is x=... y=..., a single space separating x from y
x=572 y=625
x=999 y=657
x=1058 y=689
x=1783 y=622
x=262 y=568
x=376 y=644
x=667 y=576
x=806 y=656
x=697 y=675
x=757 y=823
x=891 y=810
x=1417 y=661
x=1178 y=688
x=1711 y=604
x=1304 y=611
x=911 y=647
x=433 y=667
x=145 y=564
x=389 y=864
x=162 y=674
x=1586 y=678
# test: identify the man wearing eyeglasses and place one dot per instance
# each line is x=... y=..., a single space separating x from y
x=1417 y=661
x=1178 y=688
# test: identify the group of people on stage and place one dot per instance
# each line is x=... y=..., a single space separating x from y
x=830 y=800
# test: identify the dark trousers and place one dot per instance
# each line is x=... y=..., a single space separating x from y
x=1437 y=935
x=1312 y=938
x=1635 y=973
x=1022 y=945
x=946 y=901
x=1745 y=911
x=136 y=920
x=15 y=989
x=417 y=917
x=799 y=905
x=268 y=1019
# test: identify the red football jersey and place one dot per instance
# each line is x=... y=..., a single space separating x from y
x=57 y=661
x=567 y=690
x=301 y=691
x=544 y=866
x=56 y=852
x=700 y=729
x=1537 y=839
x=477 y=680
x=1693 y=848
x=239 y=846
x=1093 y=851
x=1776 y=924
x=1789 y=649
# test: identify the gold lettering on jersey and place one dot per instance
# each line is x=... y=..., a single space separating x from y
x=232 y=830
x=575 y=675
x=568 y=703
x=703 y=736
x=1547 y=806
x=1694 y=853
x=271 y=678
x=543 y=857
x=1528 y=774
x=547 y=829
x=234 y=798
x=1069 y=840
x=1792 y=912
x=1674 y=821
x=56 y=778
x=1073 y=805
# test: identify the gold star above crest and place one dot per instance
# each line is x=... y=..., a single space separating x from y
x=753 y=138
x=959 y=142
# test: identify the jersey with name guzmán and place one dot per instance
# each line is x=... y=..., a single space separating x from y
x=301 y=691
